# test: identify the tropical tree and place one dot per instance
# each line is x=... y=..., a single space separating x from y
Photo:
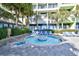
x=6 y=14
x=63 y=15
x=20 y=9
x=13 y=7
x=76 y=12
x=26 y=11
x=55 y=16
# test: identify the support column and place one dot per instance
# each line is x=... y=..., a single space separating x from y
x=37 y=6
x=47 y=20
x=37 y=16
x=47 y=16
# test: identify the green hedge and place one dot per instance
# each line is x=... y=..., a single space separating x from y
x=3 y=33
x=14 y=32
x=17 y=31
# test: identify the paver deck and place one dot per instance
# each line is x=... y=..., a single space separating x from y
x=64 y=49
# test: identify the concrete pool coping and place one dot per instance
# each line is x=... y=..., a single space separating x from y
x=63 y=42
x=11 y=39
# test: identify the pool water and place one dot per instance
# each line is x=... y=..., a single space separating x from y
x=43 y=40
x=40 y=40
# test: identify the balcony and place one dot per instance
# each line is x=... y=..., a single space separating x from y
x=44 y=7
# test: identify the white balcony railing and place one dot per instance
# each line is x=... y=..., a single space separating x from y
x=45 y=6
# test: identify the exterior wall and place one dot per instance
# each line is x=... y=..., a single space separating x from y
x=8 y=23
x=44 y=19
x=47 y=8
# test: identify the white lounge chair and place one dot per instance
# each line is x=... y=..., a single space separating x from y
x=77 y=35
x=69 y=34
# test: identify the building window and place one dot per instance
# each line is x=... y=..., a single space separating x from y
x=5 y=25
x=34 y=6
x=1 y=25
x=11 y=26
x=14 y=26
x=52 y=5
x=42 y=6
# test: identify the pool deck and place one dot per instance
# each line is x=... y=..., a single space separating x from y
x=73 y=40
x=64 y=49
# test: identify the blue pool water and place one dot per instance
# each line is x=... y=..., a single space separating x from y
x=41 y=40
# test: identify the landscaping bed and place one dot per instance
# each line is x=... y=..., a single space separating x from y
x=14 y=32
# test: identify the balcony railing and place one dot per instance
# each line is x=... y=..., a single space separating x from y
x=45 y=5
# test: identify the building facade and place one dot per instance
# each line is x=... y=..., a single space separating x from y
x=44 y=12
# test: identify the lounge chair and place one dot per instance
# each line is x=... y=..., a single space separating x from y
x=77 y=35
x=69 y=34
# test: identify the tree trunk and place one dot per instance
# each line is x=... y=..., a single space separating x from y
x=37 y=24
x=16 y=18
x=62 y=25
x=27 y=20
x=9 y=32
x=36 y=21
x=57 y=23
x=16 y=21
x=58 y=26
x=22 y=19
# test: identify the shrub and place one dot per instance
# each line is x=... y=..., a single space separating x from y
x=17 y=31
x=14 y=32
x=3 y=33
x=27 y=30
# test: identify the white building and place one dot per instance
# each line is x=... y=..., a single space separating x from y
x=44 y=10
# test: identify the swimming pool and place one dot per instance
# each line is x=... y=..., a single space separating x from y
x=42 y=40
